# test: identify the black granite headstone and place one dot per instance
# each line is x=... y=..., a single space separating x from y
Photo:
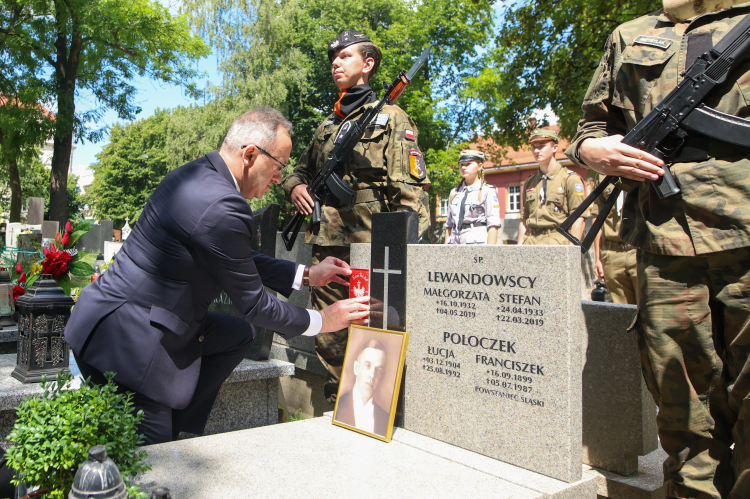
x=91 y=241
x=264 y=240
x=35 y=215
x=391 y=232
x=107 y=231
x=49 y=229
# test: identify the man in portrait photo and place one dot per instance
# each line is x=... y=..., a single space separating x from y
x=358 y=407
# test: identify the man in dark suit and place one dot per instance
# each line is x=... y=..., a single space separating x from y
x=358 y=407
x=147 y=318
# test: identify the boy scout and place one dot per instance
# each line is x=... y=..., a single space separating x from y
x=386 y=169
x=693 y=249
x=615 y=259
x=549 y=195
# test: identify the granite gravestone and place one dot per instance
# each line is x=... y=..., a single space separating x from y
x=495 y=352
x=49 y=229
x=391 y=233
x=264 y=240
x=107 y=232
x=35 y=215
x=92 y=241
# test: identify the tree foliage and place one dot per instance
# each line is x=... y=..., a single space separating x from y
x=65 y=47
x=544 y=56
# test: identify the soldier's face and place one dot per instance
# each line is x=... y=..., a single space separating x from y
x=470 y=169
x=349 y=69
x=543 y=150
x=369 y=369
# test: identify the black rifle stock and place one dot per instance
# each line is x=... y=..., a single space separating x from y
x=664 y=131
x=326 y=180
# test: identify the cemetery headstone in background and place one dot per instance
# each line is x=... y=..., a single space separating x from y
x=49 y=229
x=264 y=240
x=107 y=232
x=495 y=352
x=35 y=215
x=91 y=241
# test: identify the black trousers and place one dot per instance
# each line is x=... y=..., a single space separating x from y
x=227 y=340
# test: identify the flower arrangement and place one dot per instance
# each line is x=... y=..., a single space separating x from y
x=60 y=260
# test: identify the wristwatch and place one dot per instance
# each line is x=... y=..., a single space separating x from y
x=306 y=276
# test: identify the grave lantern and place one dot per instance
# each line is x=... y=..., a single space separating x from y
x=43 y=312
x=6 y=299
x=98 y=478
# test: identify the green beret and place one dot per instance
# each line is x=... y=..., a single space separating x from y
x=471 y=155
x=543 y=133
x=345 y=38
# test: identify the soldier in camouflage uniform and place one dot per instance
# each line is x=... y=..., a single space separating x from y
x=615 y=259
x=693 y=261
x=549 y=195
x=386 y=170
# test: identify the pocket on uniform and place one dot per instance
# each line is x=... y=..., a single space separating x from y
x=167 y=321
x=640 y=68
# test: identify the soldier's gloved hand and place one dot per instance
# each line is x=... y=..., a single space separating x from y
x=608 y=155
x=344 y=312
x=330 y=269
x=302 y=199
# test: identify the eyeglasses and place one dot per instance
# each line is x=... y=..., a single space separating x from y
x=266 y=153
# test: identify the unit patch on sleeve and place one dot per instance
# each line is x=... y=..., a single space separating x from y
x=579 y=190
x=417 y=168
x=409 y=134
x=380 y=120
x=653 y=41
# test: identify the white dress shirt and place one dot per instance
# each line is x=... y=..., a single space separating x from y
x=364 y=414
x=316 y=320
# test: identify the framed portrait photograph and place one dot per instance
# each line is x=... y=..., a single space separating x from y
x=370 y=381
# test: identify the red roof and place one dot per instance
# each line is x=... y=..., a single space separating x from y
x=46 y=112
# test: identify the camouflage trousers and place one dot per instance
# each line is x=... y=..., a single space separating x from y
x=693 y=332
x=620 y=272
x=330 y=347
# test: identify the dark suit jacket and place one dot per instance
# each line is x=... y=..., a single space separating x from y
x=191 y=241
x=345 y=414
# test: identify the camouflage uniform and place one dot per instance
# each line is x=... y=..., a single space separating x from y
x=388 y=173
x=564 y=194
x=618 y=257
x=693 y=261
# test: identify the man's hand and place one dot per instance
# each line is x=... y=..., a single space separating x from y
x=599 y=269
x=302 y=199
x=608 y=155
x=344 y=312
x=329 y=270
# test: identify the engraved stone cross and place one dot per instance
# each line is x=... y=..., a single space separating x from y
x=385 y=271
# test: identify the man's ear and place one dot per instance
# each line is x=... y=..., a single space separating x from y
x=367 y=68
x=249 y=156
x=356 y=366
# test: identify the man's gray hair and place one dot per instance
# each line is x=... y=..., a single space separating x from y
x=258 y=126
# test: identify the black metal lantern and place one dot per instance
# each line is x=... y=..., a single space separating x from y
x=43 y=312
x=98 y=478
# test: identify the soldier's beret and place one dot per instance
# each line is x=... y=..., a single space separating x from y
x=471 y=155
x=345 y=38
x=543 y=133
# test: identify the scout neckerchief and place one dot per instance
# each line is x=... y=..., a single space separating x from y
x=353 y=98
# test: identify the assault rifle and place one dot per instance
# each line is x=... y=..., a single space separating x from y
x=326 y=180
x=665 y=131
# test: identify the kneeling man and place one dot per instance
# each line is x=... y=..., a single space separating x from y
x=147 y=320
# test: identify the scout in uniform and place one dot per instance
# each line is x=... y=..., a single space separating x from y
x=693 y=249
x=386 y=170
x=549 y=195
x=615 y=259
x=473 y=208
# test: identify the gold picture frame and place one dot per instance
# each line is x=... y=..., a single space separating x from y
x=386 y=350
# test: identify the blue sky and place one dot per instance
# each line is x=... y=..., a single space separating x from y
x=152 y=95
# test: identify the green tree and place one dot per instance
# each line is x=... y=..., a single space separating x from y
x=544 y=57
x=69 y=46
x=129 y=168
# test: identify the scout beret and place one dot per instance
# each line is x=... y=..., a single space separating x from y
x=471 y=155
x=543 y=133
x=345 y=38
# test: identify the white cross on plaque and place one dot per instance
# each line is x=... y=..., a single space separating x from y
x=385 y=271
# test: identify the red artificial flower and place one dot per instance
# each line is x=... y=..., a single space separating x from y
x=52 y=247
x=68 y=228
x=22 y=278
x=18 y=291
x=19 y=268
x=57 y=237
x=65 y=239
x=56 y=262
x=44 y=250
